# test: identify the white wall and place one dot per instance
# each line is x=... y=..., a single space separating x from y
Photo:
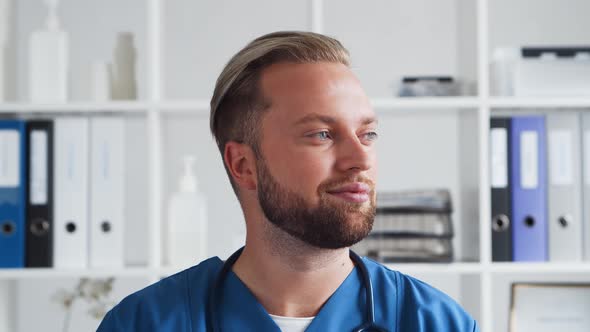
x=201 y=36
x=539 y=22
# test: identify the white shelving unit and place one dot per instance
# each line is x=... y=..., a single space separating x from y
x=76 y=107
x=160 y=111
x=408 y=268
x=507 y=103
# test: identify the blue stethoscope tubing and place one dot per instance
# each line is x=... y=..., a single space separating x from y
x=368 y=326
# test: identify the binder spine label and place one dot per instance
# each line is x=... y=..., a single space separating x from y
x=38 y=184
x=560 y=157
x=105 y=161
x=71 y=162
x=529 y=155
x=499 y=157
x=9 y=158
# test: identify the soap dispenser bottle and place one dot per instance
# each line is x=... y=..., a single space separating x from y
x=187 y=221
x=49 y=60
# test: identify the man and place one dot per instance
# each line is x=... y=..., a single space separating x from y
x=297 y=135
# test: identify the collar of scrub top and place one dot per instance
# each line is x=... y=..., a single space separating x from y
x=368 y=326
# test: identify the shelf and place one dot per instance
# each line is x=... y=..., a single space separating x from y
x=477 y=268
x=382 y=105
x=199 y=106
x=45 y=273
x=75 y=107
x=539 y=102
x=436 y=268
x=406 y=268
x=425 y=102
x=538 y=268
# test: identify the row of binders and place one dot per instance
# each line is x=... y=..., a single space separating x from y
x=62 y=192
x=540 y=187
x=411 y=226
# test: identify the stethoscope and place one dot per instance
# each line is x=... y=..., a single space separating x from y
x=368 y=326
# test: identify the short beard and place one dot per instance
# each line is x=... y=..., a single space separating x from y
x=329 y=225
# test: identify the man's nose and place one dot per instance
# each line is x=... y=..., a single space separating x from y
x=354 y=155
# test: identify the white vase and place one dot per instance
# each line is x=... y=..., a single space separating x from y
x=124 y=86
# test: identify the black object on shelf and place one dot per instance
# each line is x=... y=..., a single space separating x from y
x=560 y=52
x=414 y=79
x=425 y=86
x=411 y=226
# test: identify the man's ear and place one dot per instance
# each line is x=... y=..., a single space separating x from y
x=241 y=163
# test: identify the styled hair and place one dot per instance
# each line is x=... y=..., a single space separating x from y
x=237 y=103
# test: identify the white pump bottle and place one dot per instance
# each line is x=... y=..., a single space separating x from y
x=187 y=221
x=49 y=60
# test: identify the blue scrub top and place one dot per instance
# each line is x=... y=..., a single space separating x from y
x=178 y=303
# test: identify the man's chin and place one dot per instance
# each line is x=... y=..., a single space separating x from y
x=353 y=210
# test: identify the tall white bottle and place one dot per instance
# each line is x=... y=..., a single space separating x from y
x=48 y=60
x=187 y=221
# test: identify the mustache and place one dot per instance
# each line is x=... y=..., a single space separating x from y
x=332 y=184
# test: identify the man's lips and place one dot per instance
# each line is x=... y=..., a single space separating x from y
x=356 y=192
x=355 y=187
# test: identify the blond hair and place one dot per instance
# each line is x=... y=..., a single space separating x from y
x=237 y=102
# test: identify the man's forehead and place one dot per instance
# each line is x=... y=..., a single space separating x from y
x=323 y=92
x=300 y=79
x=305 y=69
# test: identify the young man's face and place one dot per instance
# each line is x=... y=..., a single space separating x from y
x=316 y=172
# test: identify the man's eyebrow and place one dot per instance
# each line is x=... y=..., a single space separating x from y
x=370 y=120
x=313 y=117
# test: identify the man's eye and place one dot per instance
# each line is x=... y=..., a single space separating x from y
x=371 y=136
x=322 y=135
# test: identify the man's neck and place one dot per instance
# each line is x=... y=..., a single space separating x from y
x=290 y=278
